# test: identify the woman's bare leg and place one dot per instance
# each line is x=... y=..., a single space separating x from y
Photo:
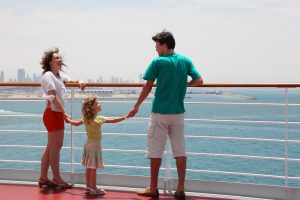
x=45 y=164
x=55 y=143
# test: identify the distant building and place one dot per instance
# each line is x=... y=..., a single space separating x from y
x=101 y=79
x=141 y=80
x=21 y=75
x=2 y=76
x=28 y=79
x=36 y=78
x=114 y=79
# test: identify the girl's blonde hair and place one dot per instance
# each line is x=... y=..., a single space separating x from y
x=87 y=108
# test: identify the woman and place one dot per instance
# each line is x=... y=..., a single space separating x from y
x=54 y=116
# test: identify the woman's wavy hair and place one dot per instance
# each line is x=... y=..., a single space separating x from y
x=46 y=59
x=87 y=108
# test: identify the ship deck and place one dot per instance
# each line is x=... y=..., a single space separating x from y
x=31 y=191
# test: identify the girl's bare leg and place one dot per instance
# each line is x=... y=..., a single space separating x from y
x=93 y=177
x=87 y=178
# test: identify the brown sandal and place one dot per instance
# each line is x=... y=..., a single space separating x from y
x=148 y=193
x=46 y=183
x=179 y=195
x=62 y=185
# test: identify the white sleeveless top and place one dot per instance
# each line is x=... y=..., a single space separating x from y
x=51 y=82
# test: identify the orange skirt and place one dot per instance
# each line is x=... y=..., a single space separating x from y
x=53 y=120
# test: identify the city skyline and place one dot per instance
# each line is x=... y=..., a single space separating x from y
x=22 y=76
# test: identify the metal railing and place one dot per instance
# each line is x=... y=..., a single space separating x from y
x=286 y=141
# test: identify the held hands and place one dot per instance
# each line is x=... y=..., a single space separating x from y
x=133 y=112
x=66 y=115
x=67 y=120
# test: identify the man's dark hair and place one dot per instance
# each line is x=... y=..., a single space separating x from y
x=165 y=37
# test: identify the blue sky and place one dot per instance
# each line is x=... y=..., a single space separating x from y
x=228 y=40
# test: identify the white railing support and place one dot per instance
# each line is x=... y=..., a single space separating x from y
x=167 y=188
x=72 y=138
x=286 y=137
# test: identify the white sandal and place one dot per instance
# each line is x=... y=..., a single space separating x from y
x=98 y=191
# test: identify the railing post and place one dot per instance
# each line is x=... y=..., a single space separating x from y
x=168 y=169
x=286 y=132
x=72 y=138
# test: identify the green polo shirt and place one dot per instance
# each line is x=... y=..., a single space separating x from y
x=171 y=74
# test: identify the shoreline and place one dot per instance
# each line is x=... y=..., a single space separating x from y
x=21 y=95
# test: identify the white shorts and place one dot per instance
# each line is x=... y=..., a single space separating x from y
x=161 y=126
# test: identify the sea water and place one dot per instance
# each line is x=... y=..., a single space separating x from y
x=138 y=125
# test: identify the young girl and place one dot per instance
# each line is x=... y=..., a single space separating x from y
x=92 y=155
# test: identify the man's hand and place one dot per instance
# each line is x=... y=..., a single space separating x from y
x=196 y=82
x=132 y=112
x=145 y=91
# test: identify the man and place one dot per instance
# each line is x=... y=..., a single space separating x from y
x=171 y=70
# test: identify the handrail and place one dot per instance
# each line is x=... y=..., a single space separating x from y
x=286 y=122
x=266 y=85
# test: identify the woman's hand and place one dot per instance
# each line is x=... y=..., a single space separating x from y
x=66 y=115
x=81 y=85
x=67 y=120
